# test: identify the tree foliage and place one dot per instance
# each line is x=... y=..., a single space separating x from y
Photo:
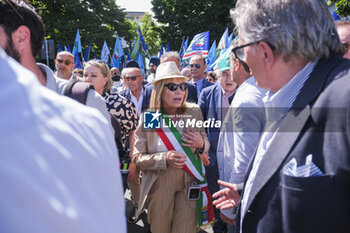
x=151 y=33
x=343 y=7
x=97 y=20
x=182 y=18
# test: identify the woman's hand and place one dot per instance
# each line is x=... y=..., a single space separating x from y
x=192 y=139
x=175 y=159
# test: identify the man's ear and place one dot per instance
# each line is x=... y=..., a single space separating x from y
x=21 y=38
x=268 y=54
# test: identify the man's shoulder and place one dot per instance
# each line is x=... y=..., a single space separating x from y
x=249 y=94
x=212 y=88
x=125 y=93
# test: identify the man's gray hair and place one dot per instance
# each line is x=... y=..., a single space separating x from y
x=293 y=28
x=171 y=54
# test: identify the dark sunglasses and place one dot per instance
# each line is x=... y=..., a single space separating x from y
x=173 y=86
x=198 y=66
x=13 y=8
x=66 y=62
x=133 y=78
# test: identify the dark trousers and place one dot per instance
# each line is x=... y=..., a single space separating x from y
x=212 y=172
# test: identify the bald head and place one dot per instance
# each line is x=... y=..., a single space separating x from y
x=64 y=64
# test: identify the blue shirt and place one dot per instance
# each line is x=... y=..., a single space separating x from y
x=280 y=103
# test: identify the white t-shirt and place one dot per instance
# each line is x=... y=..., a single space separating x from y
x=59 y=168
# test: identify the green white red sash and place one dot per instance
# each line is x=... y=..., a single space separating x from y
x=172 y=140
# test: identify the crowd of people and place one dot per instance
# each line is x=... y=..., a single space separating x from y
x=262 y=145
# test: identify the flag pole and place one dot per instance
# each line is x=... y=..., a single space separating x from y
x=82 y=59
x=111 y=59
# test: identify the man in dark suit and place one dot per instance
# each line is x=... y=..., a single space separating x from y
x=298 y=179
x=192 y=90
x=198 y=67
x=214 y=103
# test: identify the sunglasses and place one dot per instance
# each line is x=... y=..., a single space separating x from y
x=133 y=78
x=66 y=62
x=13 y=8
x=173 y=86
x=198 y=66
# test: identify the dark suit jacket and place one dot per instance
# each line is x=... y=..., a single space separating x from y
x=191 y=96
x=210 y=101
x=318 y=124
x=127 y=94
x=205 y=84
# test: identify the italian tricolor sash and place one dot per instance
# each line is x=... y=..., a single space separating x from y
x=172 y=140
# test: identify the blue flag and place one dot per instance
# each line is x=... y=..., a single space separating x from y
x=130 y=47
x=128 y=56
x=77 y=61
x=67 y=48
x=335 y=16
x=117 y=54
x=167 y=47
x=186 y=43
x=211 y=55
x=105 y=52
x=87 y=53
x=161 y=51
x=139 y=61
x=77 y=44
x=182 y=49
x=229 y=41
x=143 y=41
x=222 y=43
x=59 y=49
x=198 y=46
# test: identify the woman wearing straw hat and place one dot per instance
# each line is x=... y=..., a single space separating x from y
x=170 y=157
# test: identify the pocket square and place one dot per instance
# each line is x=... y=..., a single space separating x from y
x=309 y=169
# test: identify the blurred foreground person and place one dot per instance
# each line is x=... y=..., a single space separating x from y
x=57 y=172
x=298 y=179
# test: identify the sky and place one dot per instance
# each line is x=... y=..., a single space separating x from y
x=135 y=5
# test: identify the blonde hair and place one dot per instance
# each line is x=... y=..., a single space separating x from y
x=103 y=67
x=156 y=96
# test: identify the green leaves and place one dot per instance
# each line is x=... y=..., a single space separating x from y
x=98 y=20
x=182 y=18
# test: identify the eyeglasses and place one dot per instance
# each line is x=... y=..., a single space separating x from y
x=173 y=86
x=198 y=66
x=133 y=78
x=13 y=8
x=346 y=45
x=239 y=51
x=66 y=62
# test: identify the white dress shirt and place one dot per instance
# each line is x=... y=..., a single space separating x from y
x=138 y=103
x=59 y=167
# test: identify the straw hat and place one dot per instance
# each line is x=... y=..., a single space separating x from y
x=168 y=70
